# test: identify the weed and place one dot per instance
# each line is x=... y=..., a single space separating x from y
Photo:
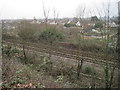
x=60 y=78
x=39 y=85
x=88 y=70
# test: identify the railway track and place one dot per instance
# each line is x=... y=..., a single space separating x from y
x=83 y=74
x=64 y=50
x=72 y=54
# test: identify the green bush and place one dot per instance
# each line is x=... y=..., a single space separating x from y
x=69 y=25
x=50 y=35
x=98 y=25
x=88 y=70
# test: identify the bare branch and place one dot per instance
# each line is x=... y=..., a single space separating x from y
x=46 y=13
x=55 y=14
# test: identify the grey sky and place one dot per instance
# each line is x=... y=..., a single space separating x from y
x=12 y=9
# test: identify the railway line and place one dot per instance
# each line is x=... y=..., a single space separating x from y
x=83 y=74
x=44 y=49
x=72 y=54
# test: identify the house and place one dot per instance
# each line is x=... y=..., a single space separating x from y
x=69 y=21
x=35 y=22
x=113 y=24
x=53 y=22
x=78 y=24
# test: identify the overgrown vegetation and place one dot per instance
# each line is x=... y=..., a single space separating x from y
x=63 y=73
x=22 y=65
x=98 y=25
x=69 y=25
x=50 y=35
x=26 y=30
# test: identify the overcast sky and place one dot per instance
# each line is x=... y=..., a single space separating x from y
x=13 y=9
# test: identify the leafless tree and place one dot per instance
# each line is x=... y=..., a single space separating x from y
x=80 y=16
x=46 y=14
x=101 y=12
x=107 y=39
x=80 y=59
x=106 y=12
x=80 y=12
x=55 y=14
x=25 y=32
x=1 y=51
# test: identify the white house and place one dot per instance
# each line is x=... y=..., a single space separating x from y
x=113 y=24
x=35 y=22
x=69 y=21
x=78 y=24
x=53 y=22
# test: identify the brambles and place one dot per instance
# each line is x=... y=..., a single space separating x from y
x=42 y=65
x=39 y=85
x=109 y=75
x=9 y=51
x=60 y=78
x=106 y=70
x=17 y=80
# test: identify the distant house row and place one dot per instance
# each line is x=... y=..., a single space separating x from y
x=85 y=23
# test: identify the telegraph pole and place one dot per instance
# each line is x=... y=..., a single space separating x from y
x=118 y=45
x=1 y=54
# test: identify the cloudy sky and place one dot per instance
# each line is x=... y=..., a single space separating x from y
x=13 y=9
